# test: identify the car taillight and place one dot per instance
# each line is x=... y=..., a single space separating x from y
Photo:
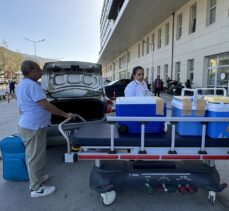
x=109 y=105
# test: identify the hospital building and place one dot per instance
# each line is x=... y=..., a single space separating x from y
x=179 y=39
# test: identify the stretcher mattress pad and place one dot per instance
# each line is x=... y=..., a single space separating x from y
x=98 y=134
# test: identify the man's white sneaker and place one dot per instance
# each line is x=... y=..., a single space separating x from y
x=43 y=191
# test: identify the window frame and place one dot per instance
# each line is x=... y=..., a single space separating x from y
x=179 y=26
x=167 y=34
x=190 y=69
x=193 y=18
x=211 y=8
x=166 y=72
x=159 y=39
x=153 y=40
x=147 y=45
x=139 y=50
x=177 y=71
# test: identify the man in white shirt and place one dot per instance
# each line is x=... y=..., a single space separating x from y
x=35 y=115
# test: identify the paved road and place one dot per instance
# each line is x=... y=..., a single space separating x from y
x=72 y=182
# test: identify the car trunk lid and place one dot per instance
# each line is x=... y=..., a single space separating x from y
x=72 y=79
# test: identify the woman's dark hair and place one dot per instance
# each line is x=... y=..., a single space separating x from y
x=135 y=70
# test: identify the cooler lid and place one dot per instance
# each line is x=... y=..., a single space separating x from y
x=137 y=100
x=180 y=98
x=217 y=99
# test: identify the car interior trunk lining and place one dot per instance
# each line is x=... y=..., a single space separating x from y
x=90 y=110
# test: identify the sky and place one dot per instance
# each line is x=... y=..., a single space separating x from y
x=70 y=28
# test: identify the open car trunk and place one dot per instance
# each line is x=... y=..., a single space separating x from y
x=89 y=109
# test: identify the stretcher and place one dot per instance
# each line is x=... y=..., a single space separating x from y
x=162 y=162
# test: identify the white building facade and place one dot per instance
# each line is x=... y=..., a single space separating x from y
x=180 y=39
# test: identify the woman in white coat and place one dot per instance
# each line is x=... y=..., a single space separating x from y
x=137 y=87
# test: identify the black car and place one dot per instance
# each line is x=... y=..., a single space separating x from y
x=75 y=87
x=116 y=88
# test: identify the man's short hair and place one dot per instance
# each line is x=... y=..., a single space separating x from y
x=27 y=66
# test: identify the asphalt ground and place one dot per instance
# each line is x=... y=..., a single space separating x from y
x=72 y=182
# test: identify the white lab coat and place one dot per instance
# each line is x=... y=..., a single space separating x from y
x=136 y=88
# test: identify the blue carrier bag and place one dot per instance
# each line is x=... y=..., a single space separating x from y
x=13 y=156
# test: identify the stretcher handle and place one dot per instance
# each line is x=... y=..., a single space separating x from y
x=189 y=90
x=60 y=128
x=214 y=89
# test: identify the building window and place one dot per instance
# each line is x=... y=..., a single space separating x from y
x=177 y=71
x=147 y=45
x=139 y=50
x=190 y=72
x=218 y=71
x=179 y=26
x=192 y=23
x=158 y=70
x=159 y=39
x=143 y=47
x=211 y=12
x=166 y=72
x=152 y=41
x=167 y=34
x=128 y=56
x=122 y=61
x=122 y=74
x=147 y=73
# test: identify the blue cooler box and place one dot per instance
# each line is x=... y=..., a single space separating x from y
x=13 y=155
x=141 y=107
x=185 y=106
x=218 y=106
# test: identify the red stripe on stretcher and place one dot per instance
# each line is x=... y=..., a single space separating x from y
x=102 y=157
x=181 y=157
x=139 y=157
x=215 y=157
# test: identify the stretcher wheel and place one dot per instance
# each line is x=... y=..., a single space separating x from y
x=211 y=197
x=108 y=197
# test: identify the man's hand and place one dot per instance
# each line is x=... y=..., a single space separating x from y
x=71 y=116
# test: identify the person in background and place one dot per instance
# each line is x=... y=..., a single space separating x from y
x=137 y=87
x=35 y=114
x=157 y=86
x=12 y=87
x=147 y=82
x=188 y=84
x=162 y=85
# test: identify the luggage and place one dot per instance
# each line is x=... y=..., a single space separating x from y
x=13 y=156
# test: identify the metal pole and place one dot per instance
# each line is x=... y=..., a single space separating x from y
x=173 y=14
x=152 y=76
x=34 y=45
x=35 y=50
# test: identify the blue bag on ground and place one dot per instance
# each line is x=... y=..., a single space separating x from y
x=13 y=157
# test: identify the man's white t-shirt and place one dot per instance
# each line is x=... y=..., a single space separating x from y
x=32 y=115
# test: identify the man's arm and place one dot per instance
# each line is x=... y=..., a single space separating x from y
x=53 y=109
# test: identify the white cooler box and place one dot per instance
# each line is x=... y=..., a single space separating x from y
x=185 y=106
x=141 y=107
x=218 y=106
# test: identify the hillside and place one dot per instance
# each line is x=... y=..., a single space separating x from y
x=10 y=63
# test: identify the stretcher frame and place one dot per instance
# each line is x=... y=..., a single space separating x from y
x=125 y=153
x=141 y=152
